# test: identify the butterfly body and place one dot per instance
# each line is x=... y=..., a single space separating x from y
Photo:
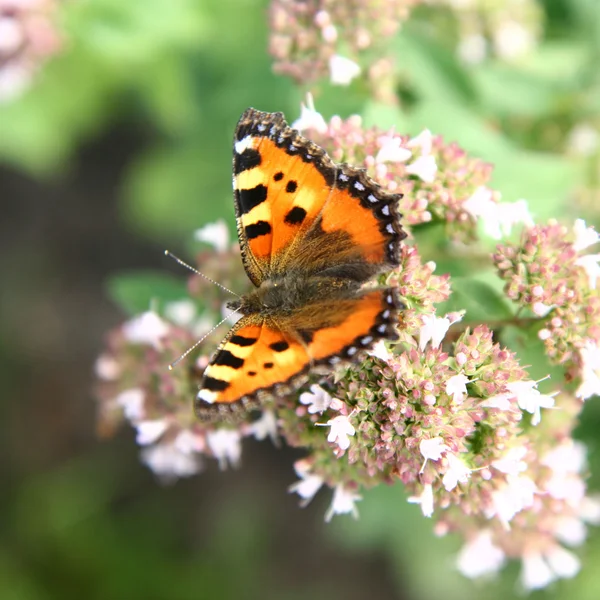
x=313 y=235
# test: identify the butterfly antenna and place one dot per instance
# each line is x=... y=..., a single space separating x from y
x=184 y=264
x=177 y=360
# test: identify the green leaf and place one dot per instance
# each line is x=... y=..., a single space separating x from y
x=138 y=292
x=480 y=299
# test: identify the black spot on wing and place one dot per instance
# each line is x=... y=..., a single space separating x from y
x=295 y=216
x=257 y=229
x=247 y=160
x=240 y=340
x=252 y=373
x=291 y=186
x=268 y=365
x=278 y=176
x=227 y=359
x=280 y=346
x=214 y=385
x=249 y=199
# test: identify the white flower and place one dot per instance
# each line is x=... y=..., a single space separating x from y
x=432 y=449
x=512 y=462
x=530 y=399
x=342 y=70
x=309 y=117
x=472 y=49
x=570 y=530
x=341 y=429
x=308 y=485
x=149 y=432
x=589 y=263
x=225 y=446
x=317 y=400
x=423 y=141
x=147 y=328
x=107 y=368
x=169 y=462
x=500 y=401
x=425 y=500
x=541 y=309
x=511 y=498
x=216 y=234
x=590 y=371
x=15 y=77
x=343 y=503
x=583 y=139
x=456 y=387
x=11 y=35
x=181 y=312
x=434 y=329
x=265 y=426
x=380 y=351
x=540 y=569
x=479 y=556
x=457 y=472
x=566 y=461
x=512 y=39
x=535 y=572
x=480 y=202
x=390 y=150
x=584 y=236
x=424 y=168
x=189 y=442
x=132 y=403
x=589 y=510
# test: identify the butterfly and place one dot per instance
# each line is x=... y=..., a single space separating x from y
x=312 y=235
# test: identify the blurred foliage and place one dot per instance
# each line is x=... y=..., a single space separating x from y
x=181 y=72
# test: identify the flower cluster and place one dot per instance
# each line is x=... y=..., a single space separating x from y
x=446 y=411
x=551 y=273
x=439 y=180
x=320 y=38
x=508 y=29
x=27 y=37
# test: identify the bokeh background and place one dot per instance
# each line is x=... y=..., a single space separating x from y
x=115 y=142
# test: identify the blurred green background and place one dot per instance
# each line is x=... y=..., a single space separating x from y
x=121 y=147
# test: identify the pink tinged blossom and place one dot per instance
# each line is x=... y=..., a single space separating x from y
x=434 y=329
x=480 y=203
x=457 y=472
x=169 y=462
x=189 y=442
x=310 y=118
x=308 y=485
x=107 y=368
x=564 y=563
x=569 y=530
x=340 y=432
x=423 y=142
x=425 y=500
x=216 y=234
x=149 y=432
x=317 y=400
x=265 y=426
x=530 y=399
x=343 y=503
x=590 y=371
x=390 y=150
x=342 y=70
x=380 y=351
x=225 y=446
x=584 y=236
x=424 y=167
x=511 y=498
x=480 y=557
x=589 y=263
x=456 y=387
x=147 y=328
x=500 y=402
x=566 y=461
x=512 y=462
x=589 y=510
x=132 y=403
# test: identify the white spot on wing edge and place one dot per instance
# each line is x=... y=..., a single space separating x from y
x=206 y=396
x=244 y=144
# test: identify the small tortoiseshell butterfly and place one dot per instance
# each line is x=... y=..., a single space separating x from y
x=311 y=233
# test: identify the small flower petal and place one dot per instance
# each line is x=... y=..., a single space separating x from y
x=343 y=502
x=342 y=70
